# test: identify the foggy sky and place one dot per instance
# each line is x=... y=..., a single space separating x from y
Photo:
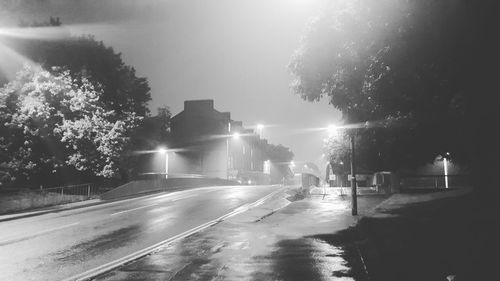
x=232 y=51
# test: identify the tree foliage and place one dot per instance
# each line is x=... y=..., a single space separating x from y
x=417 y=68
x=123 y=90
x=338 y=152
x=151 y=133
x=280 y=156
x=50 y=121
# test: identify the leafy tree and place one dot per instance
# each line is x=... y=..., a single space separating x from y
x=417 y=68
x=50 y=121
x=280 y=156
x=338 y=152
x=84 y=56
x=151 y=133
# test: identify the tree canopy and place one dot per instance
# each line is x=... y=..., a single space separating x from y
x=123 y=90
x=414 y=68
x=50 y=122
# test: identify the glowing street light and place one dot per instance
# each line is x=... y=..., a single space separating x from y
x=445 y=164
x=332 y=130
x=236 y=135
x=260 y=127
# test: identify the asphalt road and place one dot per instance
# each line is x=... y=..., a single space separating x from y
x=57 y=246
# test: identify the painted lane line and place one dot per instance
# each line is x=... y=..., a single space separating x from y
x=185 y=197
x=32 y=235
x=89 y=274
x=130 y=210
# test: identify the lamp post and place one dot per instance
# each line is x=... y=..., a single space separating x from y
x=445 y=164
x=234 y=136
x=259 y=129
x=332 y=132
x=165 y=151
x=354 y=192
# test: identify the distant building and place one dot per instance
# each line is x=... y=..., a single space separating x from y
x=207 y=142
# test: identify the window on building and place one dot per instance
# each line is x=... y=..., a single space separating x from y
x=244 y=150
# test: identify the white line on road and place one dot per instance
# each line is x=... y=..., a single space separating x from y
x=116 y=263
x=130 y=210
x=17 y=238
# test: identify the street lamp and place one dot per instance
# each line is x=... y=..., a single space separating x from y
x=445 y=164
x=234 y=136
x=259 y=129
x=333 y=131
x=165 y=151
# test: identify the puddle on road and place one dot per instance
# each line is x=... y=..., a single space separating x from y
x=101 y=244
x=307 y=258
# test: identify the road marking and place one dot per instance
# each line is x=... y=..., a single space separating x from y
x=18 y=239
x=146 y=251
x=130 y=210
x=184 y=197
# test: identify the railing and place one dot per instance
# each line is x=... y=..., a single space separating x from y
x=86 y=190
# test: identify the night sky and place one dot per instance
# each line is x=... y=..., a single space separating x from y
x=232 y=51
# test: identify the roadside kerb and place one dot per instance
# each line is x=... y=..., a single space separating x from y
x=89 y=274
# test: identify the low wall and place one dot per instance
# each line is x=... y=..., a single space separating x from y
x=30 y=200
x=156 y=185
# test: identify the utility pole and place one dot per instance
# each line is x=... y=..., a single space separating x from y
x=354 y=194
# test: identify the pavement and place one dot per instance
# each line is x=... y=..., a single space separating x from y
x=278 y=240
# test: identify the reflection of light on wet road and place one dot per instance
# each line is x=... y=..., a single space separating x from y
x=134 y=209
x=32 y=235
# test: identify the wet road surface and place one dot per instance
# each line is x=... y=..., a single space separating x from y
x=292 y=244
x=56 y=246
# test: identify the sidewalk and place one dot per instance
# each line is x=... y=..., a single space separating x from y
x=278 y=240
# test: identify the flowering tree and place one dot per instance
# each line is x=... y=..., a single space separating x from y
x=337 y=150
x=49 y=121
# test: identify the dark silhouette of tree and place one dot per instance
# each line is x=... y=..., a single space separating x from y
x=85 y=56
x=421 y=69
x=152 y=132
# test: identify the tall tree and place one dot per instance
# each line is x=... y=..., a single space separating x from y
x=416 y=67
x=123 y=90
x=50 y=122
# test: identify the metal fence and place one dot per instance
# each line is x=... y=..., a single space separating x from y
x=86 y=190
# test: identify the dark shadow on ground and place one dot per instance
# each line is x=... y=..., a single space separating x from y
x=426 y=241
x=312 y=258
